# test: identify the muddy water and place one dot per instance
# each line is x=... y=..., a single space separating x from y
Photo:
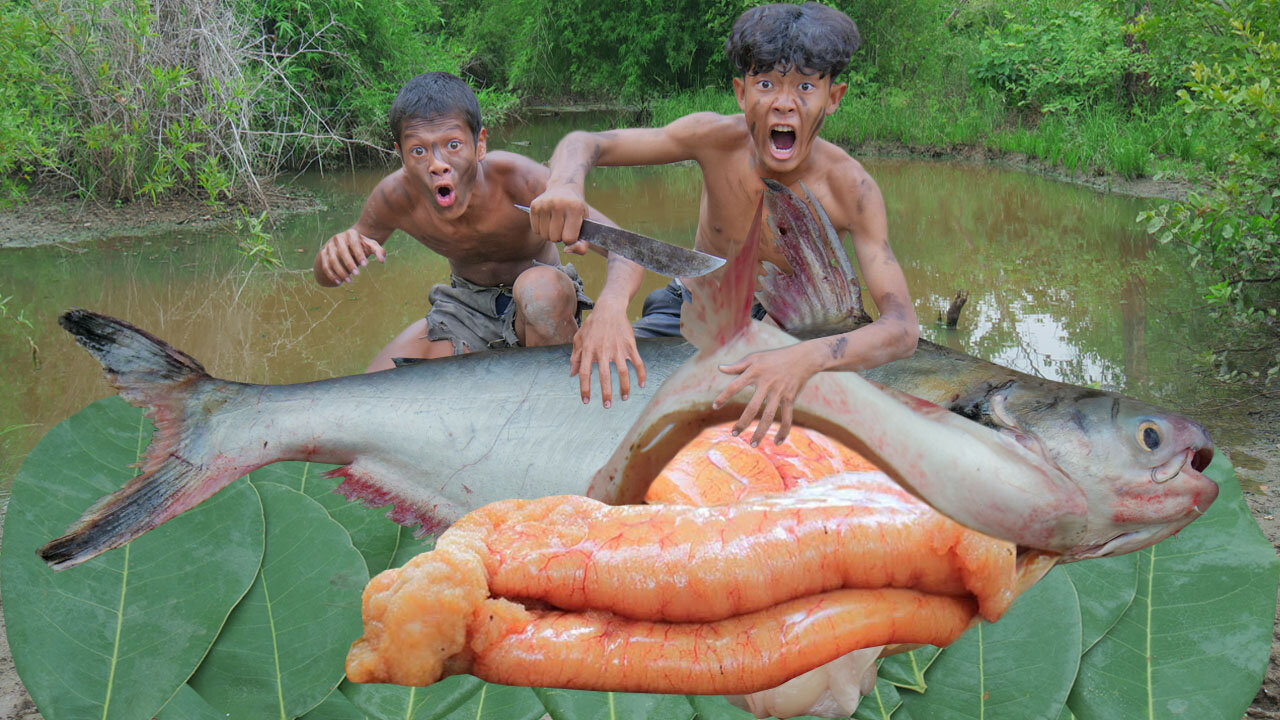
x=1061 y=283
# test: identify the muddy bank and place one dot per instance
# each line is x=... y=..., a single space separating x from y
x=46 y=218
x=1144 y=187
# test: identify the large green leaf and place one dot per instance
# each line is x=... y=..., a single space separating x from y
x=1020 y=667
x=116 y=636
x=883 y=702
x=1196 y=640
x=1105 y=587
x=284 y=646
x=335 y=706
x=187 y=704
x=500 y=702
x=392 y=702
x=584 y=705
x=376 y=537
x=906 y=670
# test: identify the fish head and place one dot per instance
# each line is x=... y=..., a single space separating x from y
x=1139 y=466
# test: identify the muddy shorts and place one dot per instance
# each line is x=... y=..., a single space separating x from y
x=476 y=317
x=661 y=314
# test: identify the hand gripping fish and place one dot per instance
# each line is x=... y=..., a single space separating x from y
x=435 y=440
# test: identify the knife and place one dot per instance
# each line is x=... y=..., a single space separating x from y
x=660 y=257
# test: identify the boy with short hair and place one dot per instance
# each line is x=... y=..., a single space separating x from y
x=787 y=58
x=507 y=287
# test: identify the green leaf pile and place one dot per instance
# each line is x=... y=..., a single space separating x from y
x=245 y=606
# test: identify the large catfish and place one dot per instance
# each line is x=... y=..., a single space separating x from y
x=1047 y=465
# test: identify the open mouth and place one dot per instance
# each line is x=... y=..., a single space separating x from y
x=445 y=195
x=782 y=141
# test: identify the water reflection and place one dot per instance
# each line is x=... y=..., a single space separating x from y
x=1061 y=284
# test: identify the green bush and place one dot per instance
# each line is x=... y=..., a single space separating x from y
x=1233 y=226
x=128 y=99
x=28 y=115
x=347 y=60
x=1058 y=61
x=629 y=49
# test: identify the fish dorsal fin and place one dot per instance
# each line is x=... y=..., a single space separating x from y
x=822 y=290
x=718 y=305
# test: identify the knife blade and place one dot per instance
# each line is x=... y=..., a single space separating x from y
x=660 y=257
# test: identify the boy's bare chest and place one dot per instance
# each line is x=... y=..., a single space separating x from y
x=487 y=241
x=728 y=207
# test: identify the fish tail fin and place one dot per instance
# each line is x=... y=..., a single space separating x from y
x=720 y=306
x=152 y=375
x=822 y=290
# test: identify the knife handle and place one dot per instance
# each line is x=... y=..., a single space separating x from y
x=590 y=244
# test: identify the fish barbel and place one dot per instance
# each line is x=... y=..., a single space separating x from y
x=1052 y=466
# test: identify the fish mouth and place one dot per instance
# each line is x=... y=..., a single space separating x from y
x=444 y=194
x=1197 y=458
x=782 y=141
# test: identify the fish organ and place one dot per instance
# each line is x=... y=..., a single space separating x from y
x=734 y=598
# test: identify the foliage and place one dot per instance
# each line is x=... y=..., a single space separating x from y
x=1058 y=61
x=26 y=104
x=633 y=48
x=349 y=58
x=127 y=99
x=142 y=102
x=1233 y=225
x=19 y=322
x=255 y=242
x=1219 y=572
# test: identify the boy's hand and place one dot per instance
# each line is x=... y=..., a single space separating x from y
x=557 y=216
x=778 y=376
x=606 y=339
x=343 y=255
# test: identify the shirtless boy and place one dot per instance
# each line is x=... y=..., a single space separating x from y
x=787 y=59
x=507 y=286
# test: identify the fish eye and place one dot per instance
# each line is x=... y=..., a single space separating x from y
x=1149 y=435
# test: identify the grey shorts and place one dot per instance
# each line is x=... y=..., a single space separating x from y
x=478 y=317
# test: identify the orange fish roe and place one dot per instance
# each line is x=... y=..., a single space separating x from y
x=793 y=569
x=718 y=468
x=600 y=651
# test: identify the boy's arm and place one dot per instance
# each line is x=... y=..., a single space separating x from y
x=342 y=256
x=557 y=213
x=779 y=375
x=606 y=336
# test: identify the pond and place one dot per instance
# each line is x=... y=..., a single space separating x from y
x=1062 y=283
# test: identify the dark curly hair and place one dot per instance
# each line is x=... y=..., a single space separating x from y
x=810 y=37
x=434 y=95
